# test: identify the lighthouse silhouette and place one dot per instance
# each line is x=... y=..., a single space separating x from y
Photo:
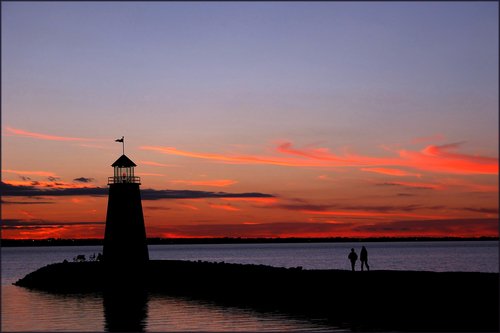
x=125 y=234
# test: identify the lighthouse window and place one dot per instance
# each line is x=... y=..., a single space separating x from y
x=124 y=174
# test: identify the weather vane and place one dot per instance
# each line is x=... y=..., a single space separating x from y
x=122 y=140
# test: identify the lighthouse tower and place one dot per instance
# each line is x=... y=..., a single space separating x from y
x=125 y=234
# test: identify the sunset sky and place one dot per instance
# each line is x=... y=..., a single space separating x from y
x=314 y=119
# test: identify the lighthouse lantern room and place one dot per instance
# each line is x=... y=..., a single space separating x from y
x=123 y=171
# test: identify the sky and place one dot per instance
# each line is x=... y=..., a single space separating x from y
x=252 y=119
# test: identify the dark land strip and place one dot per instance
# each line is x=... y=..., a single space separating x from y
x=364 y=301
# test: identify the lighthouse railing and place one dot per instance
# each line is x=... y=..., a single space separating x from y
x=124 y=180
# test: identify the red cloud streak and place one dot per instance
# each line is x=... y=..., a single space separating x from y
x=432 y=158
x=411 y=228
x=215 y=182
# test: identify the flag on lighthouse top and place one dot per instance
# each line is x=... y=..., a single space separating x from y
x=120 y=140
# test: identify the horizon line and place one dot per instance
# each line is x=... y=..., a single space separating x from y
x=257 y=238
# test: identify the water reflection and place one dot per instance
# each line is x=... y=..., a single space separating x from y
x=125 y=310
x=187 y=314
x=28 y=310
x=136 y=311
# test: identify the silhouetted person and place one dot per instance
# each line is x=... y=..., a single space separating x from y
x=353 y=257
x=363 y=257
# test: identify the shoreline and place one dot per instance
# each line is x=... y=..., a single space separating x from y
x=230 y=240
x=370 y=300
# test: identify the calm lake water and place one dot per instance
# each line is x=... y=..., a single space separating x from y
x=24 y=310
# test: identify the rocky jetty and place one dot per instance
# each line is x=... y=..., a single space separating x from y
x=374 y=300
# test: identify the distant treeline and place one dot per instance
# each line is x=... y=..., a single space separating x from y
x=230 y=240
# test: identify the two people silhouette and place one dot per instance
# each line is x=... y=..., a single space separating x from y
x=363 y=257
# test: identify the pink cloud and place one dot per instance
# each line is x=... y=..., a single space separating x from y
x=431 y=158
x=440 y=159
x=23 y=133
x=229 y=158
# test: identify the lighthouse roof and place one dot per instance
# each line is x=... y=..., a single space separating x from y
x=123 y=162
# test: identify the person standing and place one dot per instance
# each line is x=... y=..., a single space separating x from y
x=363 y=257
x=352 y=257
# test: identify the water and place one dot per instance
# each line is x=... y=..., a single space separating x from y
x=466 y=256
x=24 y=310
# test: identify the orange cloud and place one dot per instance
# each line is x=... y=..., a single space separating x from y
x=432 y=158
x=35 y=173
x=215 y=182
x=319 y=154
x=44 y=233
x=56 y=231
x=231 y=159
x=391 y=172
x=23 y=133
x=440 y=159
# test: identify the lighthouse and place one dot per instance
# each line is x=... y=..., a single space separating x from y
x=125 y=234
